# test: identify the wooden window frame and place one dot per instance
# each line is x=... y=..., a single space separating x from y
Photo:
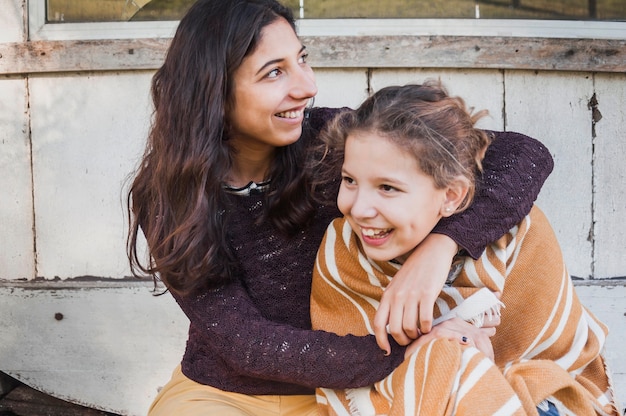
x=589 y=46
x=39 y=29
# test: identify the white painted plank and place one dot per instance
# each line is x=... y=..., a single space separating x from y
x=11 y=21
x=552 y=107
x=481 y=89
x=608 y=303
x=112 y=349
x=341 y=87
x=610 y=181
x=17 y=260
x=88 y=133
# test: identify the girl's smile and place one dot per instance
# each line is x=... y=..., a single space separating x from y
x=375 y=236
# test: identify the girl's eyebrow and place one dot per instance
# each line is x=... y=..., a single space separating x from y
x=275 y=61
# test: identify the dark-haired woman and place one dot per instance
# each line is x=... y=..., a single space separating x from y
x=232 y=227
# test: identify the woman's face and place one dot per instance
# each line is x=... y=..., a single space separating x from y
x=389 y=202
x=271 y=90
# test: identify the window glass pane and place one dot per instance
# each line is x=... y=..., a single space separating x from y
x=72 y=11
x=140 y=10
x=465 y=9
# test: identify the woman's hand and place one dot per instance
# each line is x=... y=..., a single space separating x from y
x=406 y=306
x=463 y=332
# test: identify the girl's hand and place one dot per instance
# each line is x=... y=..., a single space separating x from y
x=458 y=330
x=406 y=306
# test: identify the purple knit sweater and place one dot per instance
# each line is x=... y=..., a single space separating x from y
x=253 y=336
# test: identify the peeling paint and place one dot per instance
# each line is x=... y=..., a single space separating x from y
x=596 y=115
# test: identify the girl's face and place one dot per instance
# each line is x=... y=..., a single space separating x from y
x=271 y=90
x=390 y=204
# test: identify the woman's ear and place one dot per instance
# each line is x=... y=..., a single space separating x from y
x=455 y=195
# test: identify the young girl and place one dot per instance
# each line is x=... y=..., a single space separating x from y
x=232 y=227
x=409 y=158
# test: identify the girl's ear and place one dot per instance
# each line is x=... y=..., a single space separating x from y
x=455 y=195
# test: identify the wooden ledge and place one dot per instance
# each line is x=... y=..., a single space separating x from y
x=484 y=52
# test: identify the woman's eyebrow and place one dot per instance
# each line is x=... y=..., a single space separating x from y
x=268 y=63
x=275 y=61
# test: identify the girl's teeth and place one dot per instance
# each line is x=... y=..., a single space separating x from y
x=374 y=233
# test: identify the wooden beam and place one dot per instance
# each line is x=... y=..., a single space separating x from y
x=469 y=52
x=486 y=52
x=86 y=55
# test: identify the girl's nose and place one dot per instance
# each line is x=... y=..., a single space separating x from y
x=363 y=207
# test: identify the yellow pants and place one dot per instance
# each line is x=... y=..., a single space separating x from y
x=182 y=396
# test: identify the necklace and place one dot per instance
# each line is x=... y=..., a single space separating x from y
x=252 y=188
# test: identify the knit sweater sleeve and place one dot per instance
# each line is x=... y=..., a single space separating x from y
x=257 y=349
x=514 y=170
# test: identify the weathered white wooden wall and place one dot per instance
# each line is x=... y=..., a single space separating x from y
x=69 y=141
x=87 y=132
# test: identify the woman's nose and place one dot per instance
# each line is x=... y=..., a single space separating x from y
x=304 y=85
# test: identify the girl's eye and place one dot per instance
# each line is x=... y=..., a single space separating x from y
x=304 y=58
x=348 y=180
x=387 y=188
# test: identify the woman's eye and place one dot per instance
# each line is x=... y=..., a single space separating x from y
x=387 y=188
x=273 y=73
x=348 y=180
x=304 y=58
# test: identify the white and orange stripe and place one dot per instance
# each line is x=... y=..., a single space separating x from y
x=548 y=346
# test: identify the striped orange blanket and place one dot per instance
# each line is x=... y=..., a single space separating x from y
x=548 y=345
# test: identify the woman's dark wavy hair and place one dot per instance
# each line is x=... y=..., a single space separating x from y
x=176 y=198
x=437 y=129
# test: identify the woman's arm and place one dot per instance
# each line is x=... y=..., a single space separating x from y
x=254 y=346
x=514 y=170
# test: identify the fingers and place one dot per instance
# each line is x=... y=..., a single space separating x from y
x=447 y=330
x=483 y=343
x=400 y=318
x=380 y=328
x=407 y=317
x=479 y=338
x=459 y=331
x=415 y=345
x=426 y=315
x=409 y=322
x=396 y=329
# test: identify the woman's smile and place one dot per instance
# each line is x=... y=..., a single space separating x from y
x=291 y=114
